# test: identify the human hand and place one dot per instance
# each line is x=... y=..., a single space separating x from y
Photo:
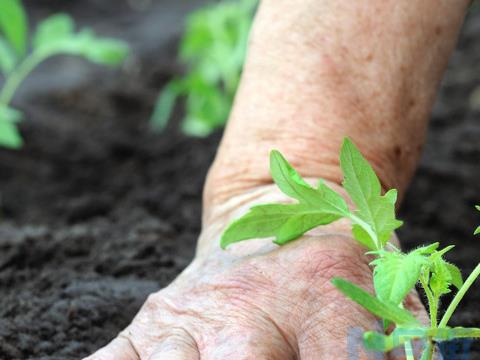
x=256 y=300
x=313 y=76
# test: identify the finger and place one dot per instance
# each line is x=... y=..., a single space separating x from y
x=119 y=348
x=177 y=345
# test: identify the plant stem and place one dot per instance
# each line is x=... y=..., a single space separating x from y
x=428 y=352
x=14 y=80
x=459 y=296
x=432 y=304
x=409 y=351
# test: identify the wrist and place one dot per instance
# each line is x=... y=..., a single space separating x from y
x=219 y=216
x=314 y=75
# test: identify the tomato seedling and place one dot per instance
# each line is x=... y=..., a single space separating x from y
x=54 y=36
x=395 y=273
x=213 y=49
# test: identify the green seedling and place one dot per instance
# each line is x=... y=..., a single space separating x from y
x=19 y=56
x=213 y=49
x=373 y=220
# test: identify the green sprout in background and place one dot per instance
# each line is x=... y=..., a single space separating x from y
x=53 y=36
x=395 y=273
x=213 y=48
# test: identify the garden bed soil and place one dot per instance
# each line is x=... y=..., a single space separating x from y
x=97 y=211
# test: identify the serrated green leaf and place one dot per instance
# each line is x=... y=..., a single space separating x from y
x=53 y=29
x=288 y=180
x=382 y=309
x=443 y=274
x=7 y=57
x=292 y=184
x=440 y=279
x=439 y=253
x=9 y=134
x=288 y=222
x=363 y=237
x=284 y=222
x=455 y=275
x=427 y=250
x=363 y=186
x=103 y=51
x=360 y=181
x=13 y=24
x=396 y=274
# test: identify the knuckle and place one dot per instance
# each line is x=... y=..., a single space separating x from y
x=179 y=336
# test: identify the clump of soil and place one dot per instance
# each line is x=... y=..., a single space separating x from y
x=97 y=211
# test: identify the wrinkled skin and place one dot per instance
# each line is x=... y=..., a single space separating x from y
x=257 y=300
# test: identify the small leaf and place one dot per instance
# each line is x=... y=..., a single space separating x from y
x=443 y=274
x=395 y=274
x=105 y=51
x=440 y=253
x=291 y=183
x=441 y=278
x=382 y=309
x=53 y=29
x=196 y=126
x=427 y=250
x=284 y=222
x=288 y=180
x=10 y=114
x=288 y=222
x=9 y=134
x=455 y=274
x=165 y=104
x=13 y=24
x=7 y=57
x=363 y=186
x=363 y=237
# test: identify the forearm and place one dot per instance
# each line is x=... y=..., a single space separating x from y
x=320 y=70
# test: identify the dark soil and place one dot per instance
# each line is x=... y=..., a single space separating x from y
x=97 y=211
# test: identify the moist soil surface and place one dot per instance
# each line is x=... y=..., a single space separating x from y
x=97 y=211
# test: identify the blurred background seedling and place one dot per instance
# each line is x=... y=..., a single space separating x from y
x=20 y=54
x=213 y=50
